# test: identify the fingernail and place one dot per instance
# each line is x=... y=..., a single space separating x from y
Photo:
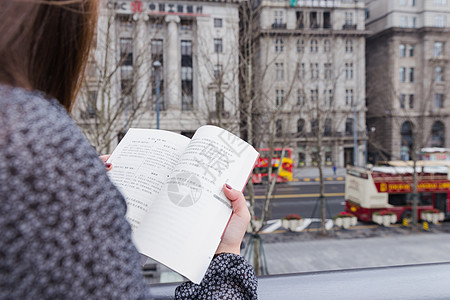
x=228 y=186
x=108 y=165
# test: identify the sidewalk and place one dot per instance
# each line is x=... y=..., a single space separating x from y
x=312 y=173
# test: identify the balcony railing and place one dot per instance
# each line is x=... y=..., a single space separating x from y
x=349 y=26
x=279 y=25
x=427 y=281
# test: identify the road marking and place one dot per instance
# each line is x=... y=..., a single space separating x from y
x=274 y=225
x=301 y=195
x=317 y=179
x=340 y=178
x=306 y=179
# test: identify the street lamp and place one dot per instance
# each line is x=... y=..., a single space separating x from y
x=157 y=70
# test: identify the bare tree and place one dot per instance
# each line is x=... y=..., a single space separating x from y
x=115 y=93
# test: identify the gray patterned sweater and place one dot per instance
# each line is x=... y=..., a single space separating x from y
x=63 y=233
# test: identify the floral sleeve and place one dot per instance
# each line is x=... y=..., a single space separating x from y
x=229 y=276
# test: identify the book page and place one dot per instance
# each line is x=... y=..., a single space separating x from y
x=183 y=228
x=142 y=163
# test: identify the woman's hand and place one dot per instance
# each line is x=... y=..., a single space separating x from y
x=234 y=233
x=104 y=158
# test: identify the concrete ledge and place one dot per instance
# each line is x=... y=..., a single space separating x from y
x=426 y=281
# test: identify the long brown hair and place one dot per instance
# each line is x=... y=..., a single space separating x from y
x=44 y=45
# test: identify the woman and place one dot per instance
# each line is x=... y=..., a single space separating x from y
x=62 y=224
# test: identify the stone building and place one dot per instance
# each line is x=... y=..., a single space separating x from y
x=166 y=64
x=407 y=76
x=311 y=64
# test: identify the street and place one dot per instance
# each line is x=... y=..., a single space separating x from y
x=302 y=199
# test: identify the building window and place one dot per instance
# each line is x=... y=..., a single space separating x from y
x=186 y=73
x=402 y=50
x=314 y=46
x=440 y=21
x=218 y=72
x=348 y=46
x=411 y=74
x=185 y=24
x=326 y=20
x=300 y=20
x=91 y=104
x=349 y=126
x=187 y=88
x=314 y=70
x=348 y=71
x=157 y=55
x=349 y=97
x=440 y=2
x=220 y=103
x=330 y=98
x=402 y=99
x=313 y=20
x=279 y=71
x=402 y=74
x=301 y=99
x=404 y=21
x=438 y=134
x=279 y=127
x=411 y=50
x=279 y=97
x=326 y=46
x=278 y=17
x=218 y=48
x=438 y=74
x=407 y=140
x=217 y=22
x=328 y=71
x=411 y=101
x=439 y=100
x=300 y=125
x=157 y=49
x=279 y=45
x=314 y=127
x=327 y=127
x=301 y=71
x=126 y=52
x=300 y=46
x=314 y=96
x=438 y=49
x=348 y=18
x=413 y=22
x=126 y=68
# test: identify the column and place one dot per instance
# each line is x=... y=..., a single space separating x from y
x=172 y=77
x=142 y=63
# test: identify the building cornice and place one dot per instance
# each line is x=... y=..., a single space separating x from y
x=298 y=32
x=407 y=31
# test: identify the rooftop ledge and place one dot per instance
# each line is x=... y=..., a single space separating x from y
x=424 y=281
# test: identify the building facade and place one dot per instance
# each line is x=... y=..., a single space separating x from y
x=161 y=64
x=311 y=64
x=407 y=76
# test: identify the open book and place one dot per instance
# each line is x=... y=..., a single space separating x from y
x=173 y=189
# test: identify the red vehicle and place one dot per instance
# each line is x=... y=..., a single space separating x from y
x=389 y=188
x=261 y=169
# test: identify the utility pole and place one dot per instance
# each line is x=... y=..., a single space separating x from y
x=157 y=69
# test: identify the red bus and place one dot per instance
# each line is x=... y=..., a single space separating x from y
x=389 y=188
x=261 y=169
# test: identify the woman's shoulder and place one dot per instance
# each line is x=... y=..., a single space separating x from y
x=19 y=105
x=33 y=115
